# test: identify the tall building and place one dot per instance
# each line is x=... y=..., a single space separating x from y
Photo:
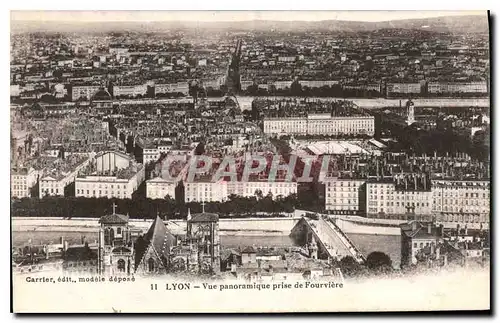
x=203 y=233
x=415 y=236
x=410 y=112
x=22 y=180
x=320 y=124
x=111 y=174
x=115 y=245
x=344 y=195
x=153 y=250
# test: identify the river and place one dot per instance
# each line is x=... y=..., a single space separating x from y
x=367 y=243
x=245 y=102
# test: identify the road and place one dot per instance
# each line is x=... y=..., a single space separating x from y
x=246 y=102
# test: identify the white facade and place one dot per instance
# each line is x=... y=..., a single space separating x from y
x=83 y=92
x=130 y=90
x=54 y=185
x=115 y=175
x=158 y=188
x=108 y=186
x=384 y=198
x=403 y=88
x=456 y=199
x=22 y=181
x=205 y=191
x=343 y=194
x=321 y=124
x=179 y=87
x=150 y=155
x=471 y=87
x=276 y=188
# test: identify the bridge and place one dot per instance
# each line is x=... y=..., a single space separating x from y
x=332 y=243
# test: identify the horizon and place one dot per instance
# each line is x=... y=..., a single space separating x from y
x=105 y=16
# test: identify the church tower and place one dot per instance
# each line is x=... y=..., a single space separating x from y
x=115 y=245
x=410 y=112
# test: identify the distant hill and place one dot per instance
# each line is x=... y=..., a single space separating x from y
x=451 y=24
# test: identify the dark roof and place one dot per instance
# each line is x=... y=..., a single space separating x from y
x=157 y=237
x=114 y=219
x=79 y=253
x=102 y=95
x=416 y=229
x=205 y=217
x=248 y=249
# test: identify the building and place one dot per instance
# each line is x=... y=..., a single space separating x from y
x=344 y=195
x=115 y=245
x=403 y=88
x=456 y=88
x=153 y=250
x=460 y=201
x=22 y=181
x=203 y=232
x=159 y=188
x=130 y=91
x=415 y=236
x=83 y=92
x=112 y=174
x=320 y=124
x=275 y=188
x=102 y=102
x=399 y=196
x=205 y=191
x=56 y=181
x=179 y=87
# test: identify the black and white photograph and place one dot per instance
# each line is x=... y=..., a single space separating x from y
x=250 y=161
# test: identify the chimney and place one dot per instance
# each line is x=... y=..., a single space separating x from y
x=414 y=225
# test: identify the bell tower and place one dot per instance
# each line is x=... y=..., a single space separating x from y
x=410 y=112
x=115 y=245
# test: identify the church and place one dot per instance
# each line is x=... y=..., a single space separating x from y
x=158 y=251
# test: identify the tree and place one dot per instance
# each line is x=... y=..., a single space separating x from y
x=378 y=260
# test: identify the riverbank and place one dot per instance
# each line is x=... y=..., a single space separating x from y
x=374 y=103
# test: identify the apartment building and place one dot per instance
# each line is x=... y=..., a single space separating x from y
x=112 y=174
x=22 y=180
x=461 y=200
x=320 y=124
x=179 y=87
x=55 y=181
x=205 y=191
x=344 y=195
x=469 y=87
x=83 y=92
x=130 y=90
x=159 y=188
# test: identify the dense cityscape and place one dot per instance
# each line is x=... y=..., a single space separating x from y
x=361 y=152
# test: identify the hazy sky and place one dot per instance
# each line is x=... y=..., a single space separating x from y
x=231 y=15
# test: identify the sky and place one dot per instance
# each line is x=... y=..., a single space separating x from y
x=144 y=16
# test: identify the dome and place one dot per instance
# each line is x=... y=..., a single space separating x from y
x=102 y=95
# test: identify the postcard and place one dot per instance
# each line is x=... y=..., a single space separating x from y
x=250 y=162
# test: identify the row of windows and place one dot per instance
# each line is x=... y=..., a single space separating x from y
x=100 y=192
x=472 y=195
x=417 y=204
x=104 y=185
